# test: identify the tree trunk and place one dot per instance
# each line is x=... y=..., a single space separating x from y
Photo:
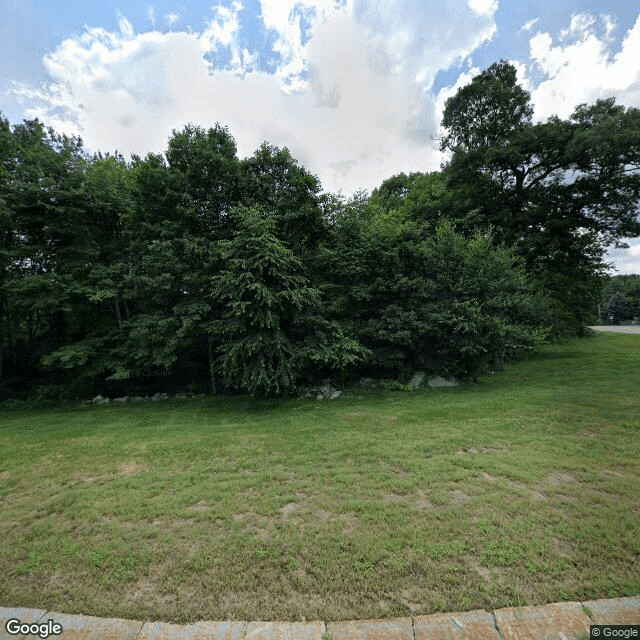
x=118 y=315
x=212 y=376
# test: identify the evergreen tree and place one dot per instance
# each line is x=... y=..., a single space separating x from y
x=267 y=307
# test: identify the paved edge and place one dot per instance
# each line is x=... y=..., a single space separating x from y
x=617 y=328
x=560 y=620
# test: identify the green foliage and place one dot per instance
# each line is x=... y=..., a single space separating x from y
x=266 y=299
x=203 y=265
x=619 y=308
x=559 y=191
x=627 y=285
x=439 y=302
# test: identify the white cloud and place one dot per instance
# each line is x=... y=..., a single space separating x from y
x=126 y=28
x=351 y=97
x=584 y=69
x=580 y=25
x=171 y=18
x=151 y=14
x=484 y=7
x=529 y=24
x=626 y=260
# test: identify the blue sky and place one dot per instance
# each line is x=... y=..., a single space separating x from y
x=355 y=88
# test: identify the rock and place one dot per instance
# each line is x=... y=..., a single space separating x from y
x=328 y=393
x=156 y=396
x=100 y=400
x=137 y=399
x=121 y=400
x=439 y=382
x=416 y=380
x=180 y=396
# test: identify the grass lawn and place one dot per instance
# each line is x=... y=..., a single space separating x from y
x=523 y=489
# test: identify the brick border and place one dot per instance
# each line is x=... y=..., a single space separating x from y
x=566 y=620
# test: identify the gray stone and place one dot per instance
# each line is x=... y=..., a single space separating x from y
x=392 y=629
x=197 y=631
x=438 y=382
x=26 y=616
x=559 y=621
x=285 y=631
x=121 y=400
x=78 y=627
x=416 y=380
x=100 y=400
x=327 y=392
x=615 y=610
x=468 y=625
x=157 y=396
x=137 y=399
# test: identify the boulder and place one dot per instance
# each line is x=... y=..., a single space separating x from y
x=100 y=400
x=438 y=382
x=416 y=380
x=121 y=400
x=327 y=392
x=137 y=399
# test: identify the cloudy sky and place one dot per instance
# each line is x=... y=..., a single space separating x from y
x=354 y=88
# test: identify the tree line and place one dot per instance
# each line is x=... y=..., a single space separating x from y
x=620 y=300
x=198 y=269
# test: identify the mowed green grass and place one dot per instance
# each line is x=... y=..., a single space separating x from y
x=523 y=489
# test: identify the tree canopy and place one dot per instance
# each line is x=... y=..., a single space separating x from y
x=195 y=268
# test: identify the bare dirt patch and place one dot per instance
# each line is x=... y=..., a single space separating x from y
x=423 y=502
x=289 y=509
x=559 y=479
x=243 y=517
x=322 y=515
x=459 y=498
x=483 y=572
x=613 y=473
x=563 y=546
x=130 y=468
x=200 y=506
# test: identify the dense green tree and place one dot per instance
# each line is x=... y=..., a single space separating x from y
x=628 y=285
x=273 y=179
x=559 y=191
x=44 y=251
x=619 y=308
x=267 y=307
x=427 y=299
x=101 y=304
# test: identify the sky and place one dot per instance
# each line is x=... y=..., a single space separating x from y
x=354 y=88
